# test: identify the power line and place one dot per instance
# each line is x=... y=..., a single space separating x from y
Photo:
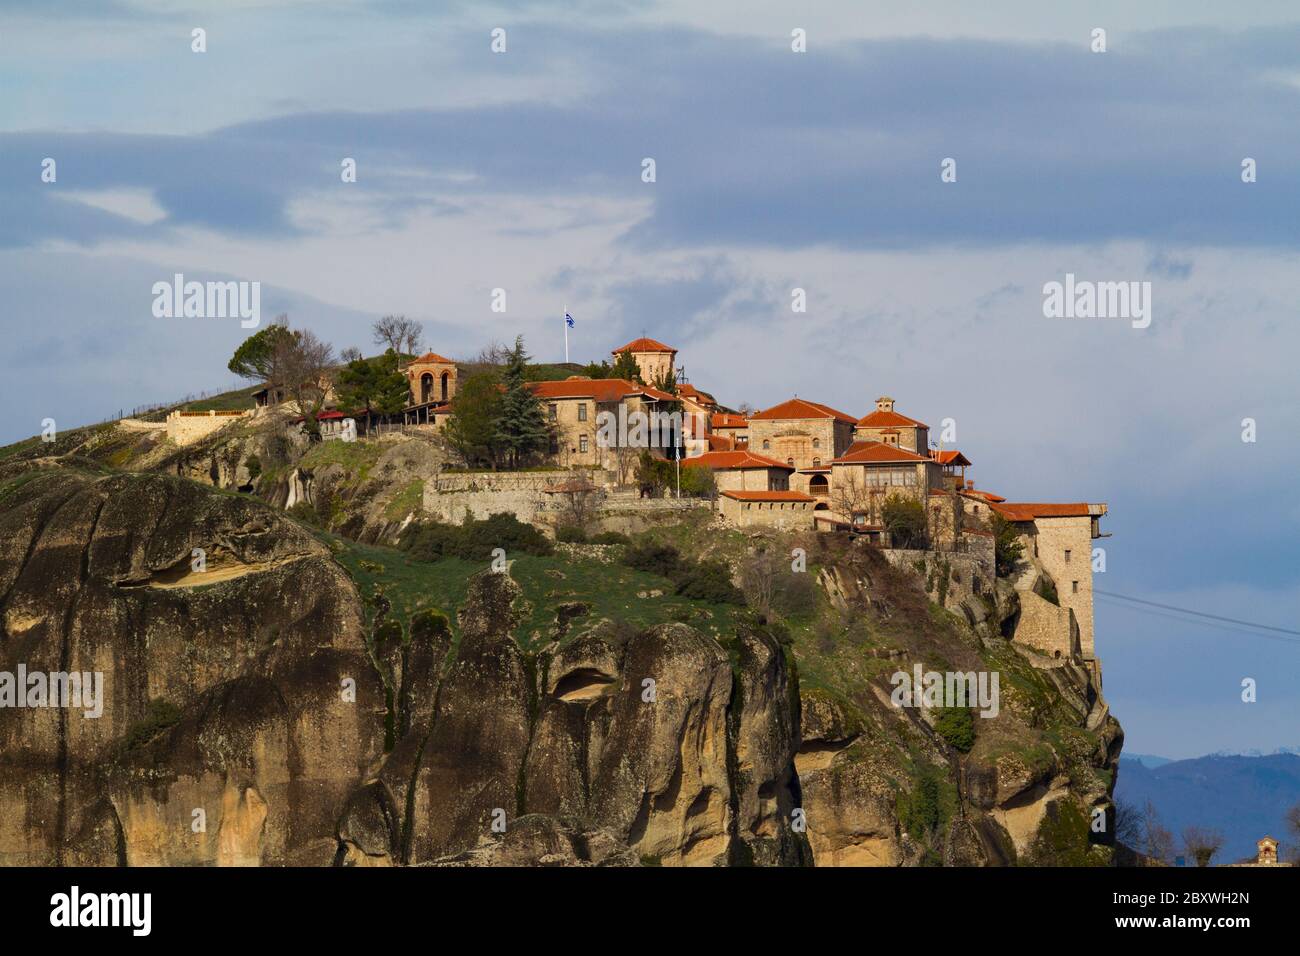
x=1204 y=616
x=1185 y=610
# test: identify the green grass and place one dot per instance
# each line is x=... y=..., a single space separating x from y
x=240 y=400
x=356 y=458
x=409 y=499
x=547 y=582
x=17 y=447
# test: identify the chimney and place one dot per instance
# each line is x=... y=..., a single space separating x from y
x=970 y=484
x=884 y=404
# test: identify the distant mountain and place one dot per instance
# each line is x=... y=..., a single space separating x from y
x=1244 y=797
x=1150 y=761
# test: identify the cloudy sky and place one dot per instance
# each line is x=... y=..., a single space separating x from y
x=775 y=170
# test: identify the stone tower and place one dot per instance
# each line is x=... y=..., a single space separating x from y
x=432 y=379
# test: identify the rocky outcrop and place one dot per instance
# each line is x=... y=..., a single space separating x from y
x=239 y=707
x=650 y=737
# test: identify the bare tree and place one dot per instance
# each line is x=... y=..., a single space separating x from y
x=758 y=579
x=302 y=362
x=490 y=358
x=1157 y=842
x=350 y=354
x=852 y=493
x=1202 y=843
x=399 y=333
x=1128 y=824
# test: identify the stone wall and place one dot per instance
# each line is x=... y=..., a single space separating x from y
x=796 y=515
x=1047 y=628
x=448 y=496
x=185 y=428
x=960 y=581
x=1063 y=547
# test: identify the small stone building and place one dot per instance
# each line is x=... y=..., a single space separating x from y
x=653 y=359
x=743 y=471
x=772 y=509
x=888 y=426
x=432 y=379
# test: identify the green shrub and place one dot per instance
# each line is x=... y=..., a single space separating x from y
x=708 y=581
x=570 y=534
x=160 y=715
x=1007 y=548
x=957 y=726
x=611 y=537
x=904 y=519
x=661 y=559
x=473 y=540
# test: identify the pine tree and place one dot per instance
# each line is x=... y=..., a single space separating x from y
x=521 y=428
x=625 y=367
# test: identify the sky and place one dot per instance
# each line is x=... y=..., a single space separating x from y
x=775 y=170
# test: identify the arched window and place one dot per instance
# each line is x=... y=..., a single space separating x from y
x=790 y=462
x=817 y=462
x=766 y=444
x=817 y=443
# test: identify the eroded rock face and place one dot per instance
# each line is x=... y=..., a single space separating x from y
x=224 y=635
x=635 y=736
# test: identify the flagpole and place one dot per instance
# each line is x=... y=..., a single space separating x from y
x=566 y=335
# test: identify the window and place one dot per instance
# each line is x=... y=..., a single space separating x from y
x=817 y=462
x=553 y=410
x=582 y=444
x=1067 y=555
x=1075 y=586
x=790 y=462
x=582 y=412
x=766 y=444
x=817 y=443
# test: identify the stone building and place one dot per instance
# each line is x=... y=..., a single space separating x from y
x=888 y=426
x=653 y=359
x=1058 y=538
x=771 y=509
x=574 y=407
x=869 y=472
x=733 y=428
x=743 y=471
x=432 y=378
x=805 y=435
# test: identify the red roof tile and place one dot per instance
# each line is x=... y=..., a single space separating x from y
x=645 y=345
x=598 y=389
x=767 y=496
x=876 y=452
x=735 y=459
x=800 y=408
x=952 y=457
x=724 y=420
x=1028 y=511
x=430 y=358
x=879 y=419
x=984 y=495
x=721 y=443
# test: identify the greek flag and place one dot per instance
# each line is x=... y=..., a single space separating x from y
x=568 y=320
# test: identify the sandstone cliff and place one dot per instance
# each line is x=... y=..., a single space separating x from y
x=298 y=698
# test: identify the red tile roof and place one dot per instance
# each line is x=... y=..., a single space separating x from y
x=985 y=495
x=876 y=452
x=598 y=389
x=724 y=420
x=431 y=357
x=800 y=408
x=952 y=457
x=767 y=496
x=1028 y=511
x=645 y=345
x=879 y=419
x=694 y=394
x=735 y=459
